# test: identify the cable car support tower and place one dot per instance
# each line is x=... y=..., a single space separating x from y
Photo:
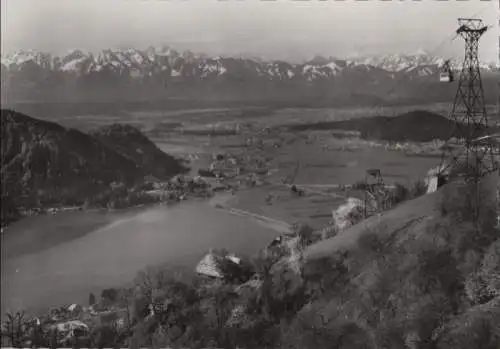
x=375 y=195
x=474 y=154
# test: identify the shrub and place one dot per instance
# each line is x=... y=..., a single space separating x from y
x=400 y=194
x=14 y=329
x=476 y=328
x=490 y=268
x=110 y=294
x=417 y=188
x=324 y=275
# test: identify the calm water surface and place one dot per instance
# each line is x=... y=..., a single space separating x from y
x=113 y=254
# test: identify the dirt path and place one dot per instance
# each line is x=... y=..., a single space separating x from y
x=274 y=224
x=307 y=188
x=270 y=222
x=222 y=202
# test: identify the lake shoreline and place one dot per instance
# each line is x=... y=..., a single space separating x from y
x=110 y=252
x=221 y=201
x=83 y=229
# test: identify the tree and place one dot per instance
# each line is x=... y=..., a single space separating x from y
x=92 y=299
x=217 y=306
x=14 y=328
x=110 y=295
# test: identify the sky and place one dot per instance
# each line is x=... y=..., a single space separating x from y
x=280 y=29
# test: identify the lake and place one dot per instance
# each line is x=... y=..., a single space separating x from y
x=112 y=254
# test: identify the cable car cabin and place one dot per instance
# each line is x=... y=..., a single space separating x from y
x=446 y=74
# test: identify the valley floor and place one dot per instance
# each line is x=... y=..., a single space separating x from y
x=325 y=165
x=316 y=161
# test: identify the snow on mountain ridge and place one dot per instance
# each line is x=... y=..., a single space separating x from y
x=24 y=56
x=168 y=62
x=398 y=62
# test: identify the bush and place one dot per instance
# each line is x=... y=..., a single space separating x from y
x=470 y=204
x=402 y=193
x=324 y=275
x=417 y=188
x=476 y=328
x=110 y=294
x=490 y=268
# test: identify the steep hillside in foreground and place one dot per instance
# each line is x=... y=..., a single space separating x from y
x=412 y=215
x=420 y=276
x=43 y=162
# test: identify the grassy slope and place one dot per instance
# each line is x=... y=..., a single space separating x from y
x=413 y=271
x=408 y=216
x=412 y=214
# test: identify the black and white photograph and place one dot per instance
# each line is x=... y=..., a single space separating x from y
x=251 y=174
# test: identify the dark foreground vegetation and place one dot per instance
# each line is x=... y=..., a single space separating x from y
x=47 y=165
x=435 y=287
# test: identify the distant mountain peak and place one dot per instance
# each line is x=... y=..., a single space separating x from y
x=162 y=70
x=321 y=60
x=419 y=52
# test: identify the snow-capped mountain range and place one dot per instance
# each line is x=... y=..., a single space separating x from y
x=37 y=73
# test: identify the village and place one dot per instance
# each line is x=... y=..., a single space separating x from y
x=226 y=174
x=115 y=310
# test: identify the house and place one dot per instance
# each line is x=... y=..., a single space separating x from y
x=153 y=181
x=68 y=330
x=211 y=265
x=282 y=240
x=75 y=309
x=436 y=177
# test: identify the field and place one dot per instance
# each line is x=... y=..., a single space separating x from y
x=317 y=159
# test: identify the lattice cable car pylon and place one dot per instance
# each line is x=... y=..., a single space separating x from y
x=469 y=111
x=467 y=153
